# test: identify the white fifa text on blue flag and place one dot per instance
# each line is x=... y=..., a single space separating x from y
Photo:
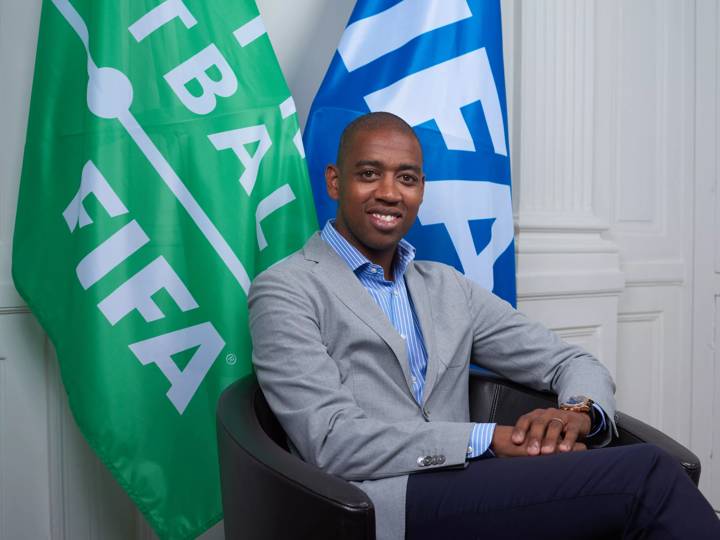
x=438 y=64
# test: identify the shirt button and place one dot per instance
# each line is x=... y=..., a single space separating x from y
x=470 y=450
x=403 y=336
x=414 y=379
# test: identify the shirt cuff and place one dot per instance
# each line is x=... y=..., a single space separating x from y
x=480 y=439
x=600 y=422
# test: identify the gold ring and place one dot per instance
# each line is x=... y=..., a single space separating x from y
x=556 y=419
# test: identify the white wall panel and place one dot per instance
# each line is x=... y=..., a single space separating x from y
x=654 y=361
x=24 y=464
x=557 y=89
x=585 y=319
x=705 y=268
x=587 y=337
x=640 y=364
x=641 y=129
x=649 y=87
x=568 y=275
x=711 y=417
x=18 y=36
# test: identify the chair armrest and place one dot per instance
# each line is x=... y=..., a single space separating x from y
x=634 y=431
x=273 y=494
x=494 y=399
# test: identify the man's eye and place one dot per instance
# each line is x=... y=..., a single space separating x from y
x=368 y=174
x=409 y=179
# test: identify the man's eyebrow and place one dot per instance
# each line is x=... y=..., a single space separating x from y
x=368 y=163
x=377 y=164
x=409 y=167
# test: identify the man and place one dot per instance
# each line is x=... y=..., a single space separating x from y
x=362 y=353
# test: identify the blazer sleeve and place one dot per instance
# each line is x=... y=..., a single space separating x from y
x=302 y=384
x=508 y=343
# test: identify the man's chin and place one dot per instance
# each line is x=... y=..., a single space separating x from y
x=386 y=243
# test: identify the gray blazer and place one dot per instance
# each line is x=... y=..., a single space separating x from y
x=335 y=371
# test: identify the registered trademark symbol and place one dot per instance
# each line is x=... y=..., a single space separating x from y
x=231 y=359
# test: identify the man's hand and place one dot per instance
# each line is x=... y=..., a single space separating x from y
x=542 y=431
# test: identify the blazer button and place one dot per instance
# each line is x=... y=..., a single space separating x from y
x=427 y=461
x=421 y=461
x=441 y=459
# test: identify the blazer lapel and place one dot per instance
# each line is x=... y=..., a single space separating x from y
x=421 y=301
x=347 y=287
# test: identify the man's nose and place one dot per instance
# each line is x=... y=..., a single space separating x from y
x=387 y=189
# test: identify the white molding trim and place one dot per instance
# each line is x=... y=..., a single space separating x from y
x=4 y=518
x=656 y=362
x=574 y=333
x=20 y=310
x=567 y=241
x=56 y=411
x=654 y=273
x=9 y=297
x=553 y=222
x=569 y=285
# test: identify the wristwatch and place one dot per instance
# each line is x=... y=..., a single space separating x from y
x=578 y=404
x=586 y=405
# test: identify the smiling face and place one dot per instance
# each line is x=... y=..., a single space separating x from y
x=379 y=186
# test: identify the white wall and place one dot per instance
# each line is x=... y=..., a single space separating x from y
x=614 y=120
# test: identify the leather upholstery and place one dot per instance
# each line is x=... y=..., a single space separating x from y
x=493 y=399
x=269 y=493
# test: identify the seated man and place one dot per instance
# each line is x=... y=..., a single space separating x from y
x=362 y=353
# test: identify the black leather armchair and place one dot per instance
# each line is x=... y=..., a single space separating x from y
x=269 y=493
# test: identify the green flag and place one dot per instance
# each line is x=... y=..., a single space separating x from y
x=163 y=170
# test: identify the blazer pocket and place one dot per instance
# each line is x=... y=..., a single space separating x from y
x=443 y=366
x=454 y=361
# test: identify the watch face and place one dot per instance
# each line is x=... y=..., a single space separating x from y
x=576 y=400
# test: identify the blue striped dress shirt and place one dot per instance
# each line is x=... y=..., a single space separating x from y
x=393 y=299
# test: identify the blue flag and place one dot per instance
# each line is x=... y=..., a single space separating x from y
x=438 y=64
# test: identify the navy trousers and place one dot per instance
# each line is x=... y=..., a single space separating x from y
x=636 y=491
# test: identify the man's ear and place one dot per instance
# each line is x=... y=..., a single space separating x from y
x=332 y=181
x=422 y=189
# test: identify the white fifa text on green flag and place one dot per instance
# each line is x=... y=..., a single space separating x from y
x=163 y=170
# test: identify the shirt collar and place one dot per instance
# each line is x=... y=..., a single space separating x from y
x=356 y=260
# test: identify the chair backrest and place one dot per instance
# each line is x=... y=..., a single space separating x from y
x=494 y=399
x=269 y=493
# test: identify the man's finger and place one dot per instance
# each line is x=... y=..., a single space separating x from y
x=536 y=434
x=571 y=434
x=578 y=447
x=520 y=429
x=502 y=446
x=553 y=432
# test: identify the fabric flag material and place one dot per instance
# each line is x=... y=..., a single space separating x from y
x=438 y=64
x=163 y=170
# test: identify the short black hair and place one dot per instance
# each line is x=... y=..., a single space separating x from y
x=371 y=121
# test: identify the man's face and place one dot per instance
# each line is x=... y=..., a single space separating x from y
x=379 y=187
